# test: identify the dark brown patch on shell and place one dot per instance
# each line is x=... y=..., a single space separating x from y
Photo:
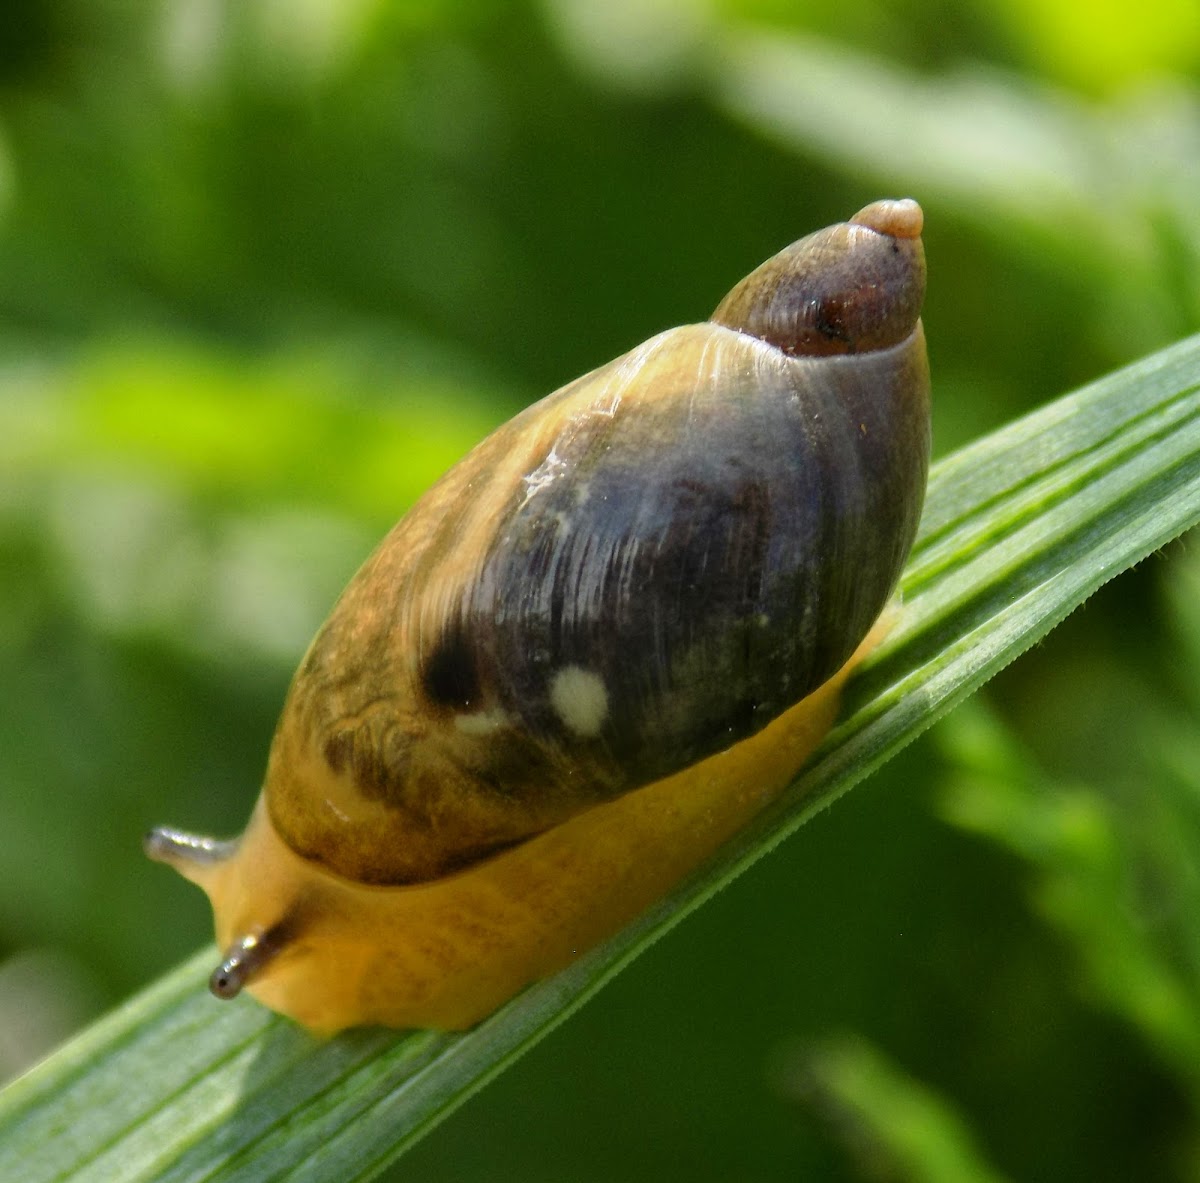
x=449 y=676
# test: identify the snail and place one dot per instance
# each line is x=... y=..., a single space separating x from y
x=589 y=654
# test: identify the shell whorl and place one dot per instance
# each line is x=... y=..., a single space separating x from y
x=850 y=288
x=644 y=568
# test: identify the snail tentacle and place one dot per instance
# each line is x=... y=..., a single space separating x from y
x=244 y=960
x=165 y=844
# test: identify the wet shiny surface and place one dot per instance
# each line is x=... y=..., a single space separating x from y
x=645 y=567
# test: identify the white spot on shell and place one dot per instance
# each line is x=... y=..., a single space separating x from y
x=579 y=700
x=339 y=814
x=482 y=722
x=550 y=470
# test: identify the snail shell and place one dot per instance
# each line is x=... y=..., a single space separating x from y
x=589 y=653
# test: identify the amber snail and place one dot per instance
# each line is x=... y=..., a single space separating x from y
x=589 y=654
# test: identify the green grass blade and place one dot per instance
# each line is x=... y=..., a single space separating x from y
x=883 y=1116
x=1020 y=528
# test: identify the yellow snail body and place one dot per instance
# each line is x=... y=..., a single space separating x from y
x=589 y=654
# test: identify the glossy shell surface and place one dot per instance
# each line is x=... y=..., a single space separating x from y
x=642 y=569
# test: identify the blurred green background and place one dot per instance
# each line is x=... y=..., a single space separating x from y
x=268 y=266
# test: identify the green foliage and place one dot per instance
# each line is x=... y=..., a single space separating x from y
x=1094 y=857
x=266 y=269
x=894 y=1126
x=1011 y=540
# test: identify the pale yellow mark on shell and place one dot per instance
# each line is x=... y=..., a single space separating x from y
x=343 y=817
x=482 y=722
x=579 y=700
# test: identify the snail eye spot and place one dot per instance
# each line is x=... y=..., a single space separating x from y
x=580 y=700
